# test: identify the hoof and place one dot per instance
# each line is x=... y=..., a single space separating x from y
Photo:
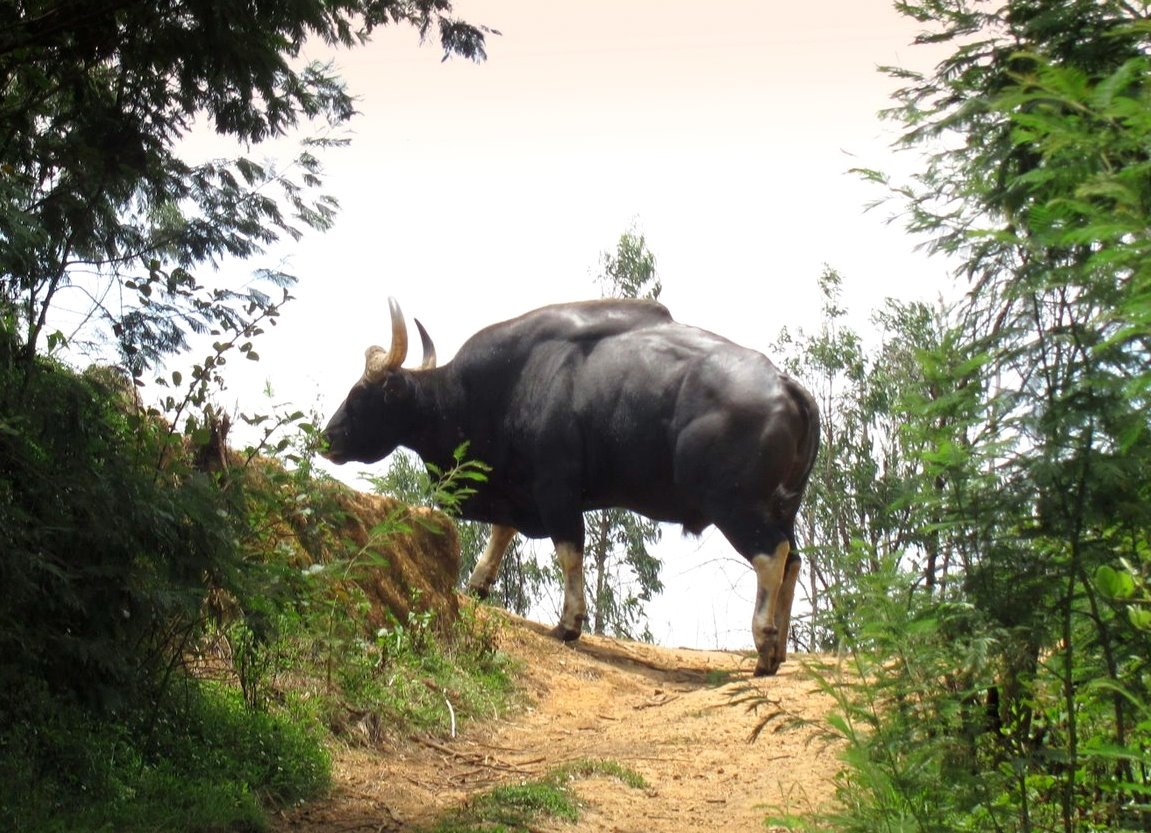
x=767 y=668
x=565 y=634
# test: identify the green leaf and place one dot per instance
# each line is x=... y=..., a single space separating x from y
x=840 y=724
x=1117 y=83
x=1113 y=583
x=371 y=558
x=1140 y=618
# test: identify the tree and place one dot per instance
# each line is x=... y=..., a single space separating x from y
x=1037 y=131
x=114 y=542
x=855 y=516
x=625 y=574
x=630 y=272
x=95 y=200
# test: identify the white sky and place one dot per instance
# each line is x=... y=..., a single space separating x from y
x=474 y=192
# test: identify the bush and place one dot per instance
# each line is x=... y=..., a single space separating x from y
x=112 y=544
x=105 y=552
x=201 y=761
x=420 y=674
x=935 y=740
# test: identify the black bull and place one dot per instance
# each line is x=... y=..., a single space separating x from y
x=603 y=404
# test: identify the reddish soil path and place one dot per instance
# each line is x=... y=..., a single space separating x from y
x=681 y=718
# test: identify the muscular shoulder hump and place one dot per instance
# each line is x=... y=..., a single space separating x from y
x=581 y=321
x=592 y=320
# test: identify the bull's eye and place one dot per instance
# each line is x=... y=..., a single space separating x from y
x=392 y=389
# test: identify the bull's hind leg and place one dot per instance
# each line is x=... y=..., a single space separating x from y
x=575 y=602
x=767 y=546
x=776 y=576
x=770 y=574
x=786 y=597
x=488 y=567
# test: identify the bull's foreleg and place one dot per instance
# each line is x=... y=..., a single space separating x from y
x=575 y=603
x=776 y=586
x=488 y=566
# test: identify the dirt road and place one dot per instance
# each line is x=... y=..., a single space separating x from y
x=680 y=718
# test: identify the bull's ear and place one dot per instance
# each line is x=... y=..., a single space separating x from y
x=376 y=365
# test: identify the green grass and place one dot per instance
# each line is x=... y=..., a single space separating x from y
x=592 y=767
x=205 y=761
x=413 y=677
x=201 y=762
x=515 y=808
x=104 y=627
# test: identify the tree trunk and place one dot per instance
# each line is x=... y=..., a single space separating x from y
x=599 y=555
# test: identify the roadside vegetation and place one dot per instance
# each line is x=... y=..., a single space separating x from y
x=181 y=625
x=179 y=643
x=979 y=524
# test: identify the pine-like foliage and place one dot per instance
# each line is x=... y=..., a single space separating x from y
x=1022 y=684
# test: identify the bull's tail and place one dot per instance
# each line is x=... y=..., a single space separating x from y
x=789 y=494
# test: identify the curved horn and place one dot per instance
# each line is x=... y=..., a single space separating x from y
x=378 y=362
x=429 y=349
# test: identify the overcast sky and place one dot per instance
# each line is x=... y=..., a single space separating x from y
x=474 y=192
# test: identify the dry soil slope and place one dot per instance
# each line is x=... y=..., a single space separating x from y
x=681 y=718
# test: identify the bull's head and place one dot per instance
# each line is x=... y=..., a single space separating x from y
x=380 y=410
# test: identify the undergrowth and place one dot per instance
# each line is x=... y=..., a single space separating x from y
x=927 y=745
x=172 y=656
x=414 y=676
x=201 y=761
